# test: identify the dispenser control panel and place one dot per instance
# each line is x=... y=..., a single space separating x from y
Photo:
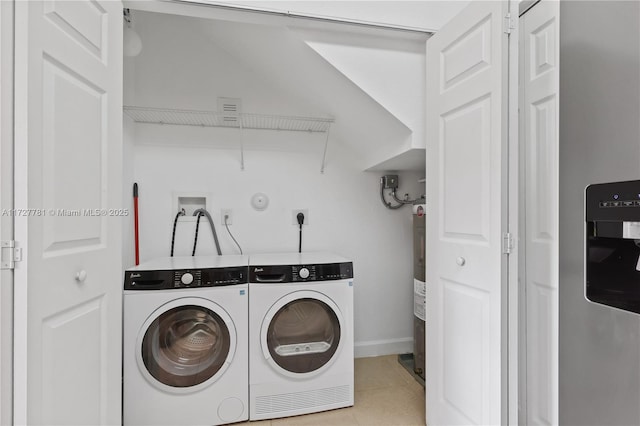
x=613 y=201
x=623 y=203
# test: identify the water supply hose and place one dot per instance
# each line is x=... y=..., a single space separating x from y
x=195 y=239
x=173 y=235
x=213 y=227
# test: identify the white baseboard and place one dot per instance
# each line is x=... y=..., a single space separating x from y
x=383 y=347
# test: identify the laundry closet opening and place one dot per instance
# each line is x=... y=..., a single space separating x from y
x=231 y=107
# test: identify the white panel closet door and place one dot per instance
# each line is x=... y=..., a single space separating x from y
x=6 y=202
x=466 y=216
x=68 y=159
x=539 y=46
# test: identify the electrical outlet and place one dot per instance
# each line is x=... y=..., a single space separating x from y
x=227 y=213
x=294 y=216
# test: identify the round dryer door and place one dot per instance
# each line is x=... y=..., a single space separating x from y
x=186 y=344
x=302 y=333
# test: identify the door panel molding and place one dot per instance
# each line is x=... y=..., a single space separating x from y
x=467 y=177
x=68 y=157
x=539 y=74
x=6 y=202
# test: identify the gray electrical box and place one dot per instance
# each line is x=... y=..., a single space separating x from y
x=390 y=181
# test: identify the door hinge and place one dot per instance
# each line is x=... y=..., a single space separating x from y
x=507 y=243
x=10 y=254
x=509 y=23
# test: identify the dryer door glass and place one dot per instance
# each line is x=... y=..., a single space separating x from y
x=185 y=346
x=303 y=335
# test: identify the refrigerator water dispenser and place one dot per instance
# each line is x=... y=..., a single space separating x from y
x=612 y=243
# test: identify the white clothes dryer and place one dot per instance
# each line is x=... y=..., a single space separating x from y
x=185 y=348
x=300 y=334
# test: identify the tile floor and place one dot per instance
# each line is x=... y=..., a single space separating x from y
x=385 y=394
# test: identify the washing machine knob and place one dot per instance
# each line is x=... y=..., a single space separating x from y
x=304 y=273
x=186 y=278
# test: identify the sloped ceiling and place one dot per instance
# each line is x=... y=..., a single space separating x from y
x=392 y=72
x=280 y=64
x=292 y=67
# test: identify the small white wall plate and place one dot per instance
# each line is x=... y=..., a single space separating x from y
x=260 y=201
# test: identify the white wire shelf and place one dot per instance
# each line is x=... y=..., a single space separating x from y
x=183 y=117
x=236 y=120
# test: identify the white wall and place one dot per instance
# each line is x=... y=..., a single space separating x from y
x=345 y=212
x=599 y=372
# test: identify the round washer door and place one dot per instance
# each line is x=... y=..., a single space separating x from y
x=186 y=345
x=302 y=334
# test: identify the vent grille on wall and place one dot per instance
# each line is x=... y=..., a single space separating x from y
x=230 y=108
x=230 y=119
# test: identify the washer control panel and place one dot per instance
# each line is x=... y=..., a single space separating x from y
x=184 y=278
x=300 y=273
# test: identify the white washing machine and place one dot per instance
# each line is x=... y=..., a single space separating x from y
x=185 y=348
x=300 y=334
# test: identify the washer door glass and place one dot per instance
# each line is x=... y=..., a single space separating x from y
x=303 y=335
x=185 y=346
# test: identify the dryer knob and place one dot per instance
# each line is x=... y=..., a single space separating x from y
x=304 y=273
x=186 y=278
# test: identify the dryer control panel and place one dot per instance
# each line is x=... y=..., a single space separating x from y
x=184 y=278
x=300 y=273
